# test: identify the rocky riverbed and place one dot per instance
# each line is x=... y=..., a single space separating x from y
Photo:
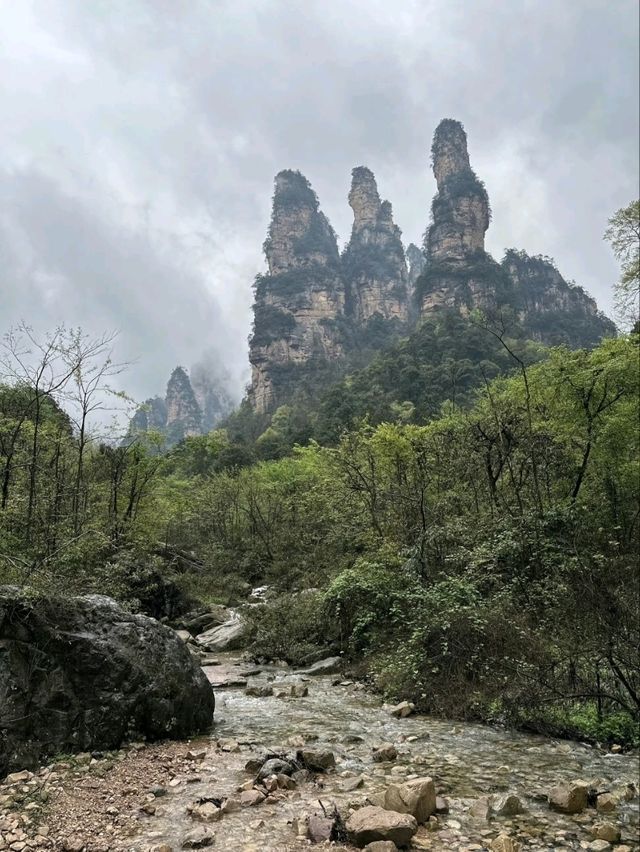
x=168 y=796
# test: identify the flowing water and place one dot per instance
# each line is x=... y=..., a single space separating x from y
x=466 y=761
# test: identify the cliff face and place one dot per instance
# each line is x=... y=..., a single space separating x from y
x=184 y=417
x=416 y=261
x=317 y=313
x=297 y=304
x=312 y=304
x=459 y=273
x=551 y=309
x=189 y=407
x=374 y=264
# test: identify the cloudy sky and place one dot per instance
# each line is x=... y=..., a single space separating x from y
x=139 y=140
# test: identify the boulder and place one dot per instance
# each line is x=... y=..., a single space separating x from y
x=381 y=846
x=606 y=803
x=504 y=843
x=370 y=824
x=198 y=838
x=320 y=829
x=417 y=797
x=385 y=752
x=402 y=710
x=258 y=688
x=508 y=806
x=229 y=636
x=318 y=760
x=83 y=674
x=606 y=831
x=481 y=808
x=330 y=665
x=569 y=798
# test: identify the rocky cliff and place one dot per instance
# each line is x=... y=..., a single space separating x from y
x=190 y=407
x=318 y=314
x=374 y=265
x=299 y=302
x=551 y=309
x=459 y=273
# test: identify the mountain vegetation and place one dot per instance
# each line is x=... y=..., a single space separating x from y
x=457 y=495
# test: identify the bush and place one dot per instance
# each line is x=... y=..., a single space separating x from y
x=294 y=628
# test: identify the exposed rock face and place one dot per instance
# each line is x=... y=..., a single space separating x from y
x=551 y=309
x=212 y=397
x=374 y=263
x=416 y=260
x=192 y=407
x=184 y=417
x=298 y=303
x=459 y=273
x=82 y=673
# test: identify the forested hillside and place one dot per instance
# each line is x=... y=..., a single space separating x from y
x=473 y=546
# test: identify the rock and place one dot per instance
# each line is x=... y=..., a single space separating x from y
x=606 y=831
x=442 y=805
x=198 y=838
x=381 y=846
x=250 y=798
x=318 y=761
x=599 y=846
x=196 y=754
x=351 y=784
x=371 y=823
x=481 y=808
x=259 y=689
x=330 y=665
x=606 y=803
x=509 y=805
x=73 y=844
x=302 y=251
x=402 y=710
x=373 y=262
x=504 y=843
x=229 y=636
x=299 y=690
x=417 y=797
x=319 y=829
x=184 y=635
x=230 y=806
x=274 y=766
x=205 y=811
x=18 y=777
x=385 y=752
x=81 y=673
x=569 y=798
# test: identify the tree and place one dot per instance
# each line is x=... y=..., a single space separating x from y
x=624 y=235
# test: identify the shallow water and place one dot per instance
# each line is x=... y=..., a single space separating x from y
x=466 y=761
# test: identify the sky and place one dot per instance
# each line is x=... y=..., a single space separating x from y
x=139 y=140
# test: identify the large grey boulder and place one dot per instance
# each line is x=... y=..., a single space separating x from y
x=225 y=637
x=83 y=674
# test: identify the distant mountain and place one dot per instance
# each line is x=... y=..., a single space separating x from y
x=191 y=406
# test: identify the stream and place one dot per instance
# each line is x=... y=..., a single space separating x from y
x=466 y=761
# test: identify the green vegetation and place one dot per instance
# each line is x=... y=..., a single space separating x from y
x=465 y=510
x=624 y=235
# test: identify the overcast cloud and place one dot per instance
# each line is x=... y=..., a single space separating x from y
x=139 y=140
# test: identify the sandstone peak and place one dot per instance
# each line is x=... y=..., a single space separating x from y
x=299 y=234
x=460 y=210
x=449 y=153
x=364 y=199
